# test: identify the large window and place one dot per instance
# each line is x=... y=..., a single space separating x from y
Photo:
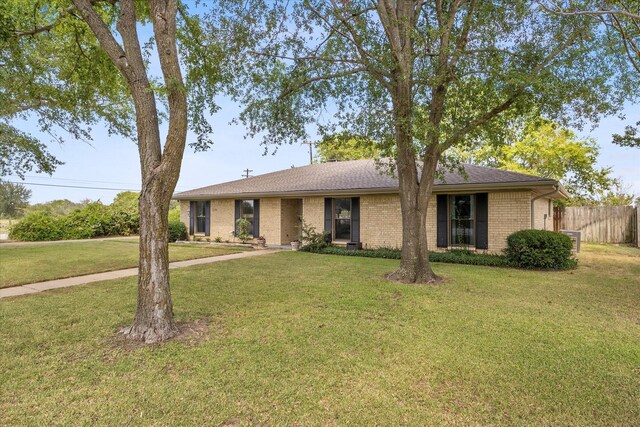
x=462 y=219
x=342 y=219
x=246 y=212
x=201 y=217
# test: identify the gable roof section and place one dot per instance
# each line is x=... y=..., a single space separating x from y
x=355 y=176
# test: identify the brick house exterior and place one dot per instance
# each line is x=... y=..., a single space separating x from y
x=358 y=201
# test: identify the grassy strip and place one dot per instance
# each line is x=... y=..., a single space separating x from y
x=299 y=339
x=20 y=265
x=451 y=257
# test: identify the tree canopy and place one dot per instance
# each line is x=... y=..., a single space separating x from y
x=53 y=69
x=418 y=78
x=620 y=20
x=344 y=146
x=545 y=149
x=21 y=153
x=14 y=198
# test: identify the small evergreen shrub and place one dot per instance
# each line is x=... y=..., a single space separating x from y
x=177 y=231
x=540 y=249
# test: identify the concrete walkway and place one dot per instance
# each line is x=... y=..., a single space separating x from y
x=109 y=275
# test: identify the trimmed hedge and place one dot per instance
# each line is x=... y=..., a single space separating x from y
x=540 y=249
x=177 y=231
x=454 y=256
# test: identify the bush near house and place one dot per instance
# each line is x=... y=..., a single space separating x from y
x=540 y=249
x=454 y=256
x=177 y=231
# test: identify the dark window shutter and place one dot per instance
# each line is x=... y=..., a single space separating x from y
x=192 y=217
x=442 y=223
x=355 y=219
x=236 y=216
x=482 y=221
x=328 y=215
x=207 y=218
x=256 y=218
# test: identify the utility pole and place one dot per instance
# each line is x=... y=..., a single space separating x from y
x=310 y=144
x=246 y=173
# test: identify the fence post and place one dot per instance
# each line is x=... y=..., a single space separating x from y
x=638 y=225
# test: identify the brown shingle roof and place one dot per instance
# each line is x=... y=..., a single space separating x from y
x=350 y=175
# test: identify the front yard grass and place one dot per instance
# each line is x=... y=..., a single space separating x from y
x=304 y=339
x=32 y=263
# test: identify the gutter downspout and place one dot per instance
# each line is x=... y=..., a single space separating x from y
x=556 y=189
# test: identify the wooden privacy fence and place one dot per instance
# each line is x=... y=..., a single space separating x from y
x=606 y=224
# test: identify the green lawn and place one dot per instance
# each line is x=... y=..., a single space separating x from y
x=39 y=262
x=304 y=339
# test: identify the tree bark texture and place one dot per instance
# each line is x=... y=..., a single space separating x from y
x=415 y=191
x=415 y=185
x=160 y=167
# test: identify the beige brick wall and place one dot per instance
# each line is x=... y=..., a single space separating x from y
x=313 y=212
x=380 y=221
x=222 y=219
x=508 y=212
x=270 y=220
x=185 y=207
x=380 y=218
x=540 y=208
x=290 y=211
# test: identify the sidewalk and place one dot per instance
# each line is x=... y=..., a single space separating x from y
x=33 y=288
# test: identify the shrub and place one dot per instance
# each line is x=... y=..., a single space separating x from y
x=313 y=240
x=540 y=249
x=174 y=213
x=92 y=220
x=463 y=256
x=177 y=231
x=243 y=229
x=38 y=226
x=454 y=256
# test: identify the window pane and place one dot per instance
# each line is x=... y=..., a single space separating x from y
x=201 y=225
x=342 y=209
x=462 y=211
x=246 y=212
x=200 y=217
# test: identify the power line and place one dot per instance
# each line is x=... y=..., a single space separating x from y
x=75 y=180
x=72 y=186
x=246 y=173
x=179 y=187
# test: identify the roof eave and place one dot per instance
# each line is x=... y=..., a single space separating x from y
x=437 y=188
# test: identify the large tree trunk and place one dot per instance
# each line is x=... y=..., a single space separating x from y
x=153 y=321
x=414 y=194
x=160 y=168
